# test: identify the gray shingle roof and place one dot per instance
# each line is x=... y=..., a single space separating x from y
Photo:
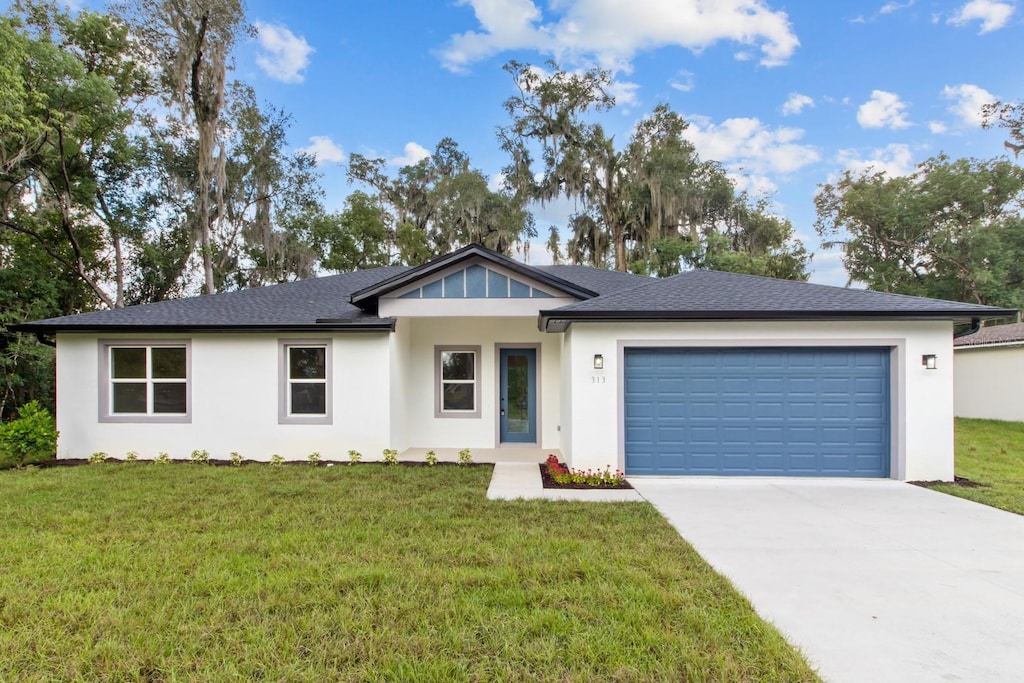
x=325 y=303
x=994 y=334
x=703 y=294
x=290 y=305
x=596 y=279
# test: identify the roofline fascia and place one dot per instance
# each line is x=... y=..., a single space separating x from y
x=556 y=321
x=465 y=252
x=386 y=325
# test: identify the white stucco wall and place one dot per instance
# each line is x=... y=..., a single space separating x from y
x=234 y=388
x=989 y=382
x=399 y=361
x=427 y=431
x=922 y=425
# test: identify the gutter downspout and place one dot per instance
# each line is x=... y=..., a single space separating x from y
x=43 y=340
x=975 y=327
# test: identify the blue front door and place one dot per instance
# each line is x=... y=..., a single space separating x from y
x=518 y=400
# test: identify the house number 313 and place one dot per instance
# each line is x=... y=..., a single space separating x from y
x=597 y=379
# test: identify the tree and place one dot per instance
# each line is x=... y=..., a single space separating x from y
x=440 y=204
x=66 y=153
x=1010 y=117
x=356 y=238
x=191 y=42
x=266 y=196
x=952 y=230
x=651 y=206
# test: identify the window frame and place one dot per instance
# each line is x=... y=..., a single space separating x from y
x=106 y=381
x=439 y=412
x=285 y=383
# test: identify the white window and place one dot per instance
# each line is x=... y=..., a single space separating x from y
x=144 y=381
x=457 y=376
x=305 y=382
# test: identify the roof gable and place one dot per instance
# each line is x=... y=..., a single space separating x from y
x=431 y=280
x=475 y=281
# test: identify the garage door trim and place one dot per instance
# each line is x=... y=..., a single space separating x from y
x=897 y=363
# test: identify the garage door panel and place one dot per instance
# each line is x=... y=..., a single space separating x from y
x=799 y=411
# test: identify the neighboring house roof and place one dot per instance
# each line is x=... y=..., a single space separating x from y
x=994 y=335
x=714 y=295
x=347 y=302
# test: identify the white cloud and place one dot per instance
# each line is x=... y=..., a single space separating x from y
x=894 y=160
x=324 y=149
x=611 y=33
x=796 y=103
x=753 y=184
x=624 y=92
x=968 y=100
x=284 y=54
x=496 y=182
x=683 y=82
x=937 y=127
x=887 y=8
x=883 y=110
x=890 y=7
x=827 y=268
x=752 y=151
x=992 y=14
x=414 y=153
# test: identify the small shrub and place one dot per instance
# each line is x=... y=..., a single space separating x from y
x=97 y=458
x=354 y=457
x=132 y=456
x=29 y=438
x=276 y=460
x=390 y=456
x=564 y=475
x=314 y=458
x=200 y=457
x=465 y=457
x=431 y=458
x=162 y=459
x=236 y=458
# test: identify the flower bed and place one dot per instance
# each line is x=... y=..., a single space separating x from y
x=555 y=475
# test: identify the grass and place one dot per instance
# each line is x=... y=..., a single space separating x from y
x=196 y=573
x=990 y=453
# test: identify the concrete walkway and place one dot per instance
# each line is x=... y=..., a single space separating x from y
x=874 y=580
x=521 y=481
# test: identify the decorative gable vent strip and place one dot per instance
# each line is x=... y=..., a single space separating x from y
x=476 y=282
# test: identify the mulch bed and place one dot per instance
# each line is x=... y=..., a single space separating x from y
x=74 y=462
x=550 y=483
x=957 y=481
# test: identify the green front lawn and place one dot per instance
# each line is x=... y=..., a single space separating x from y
x=195 y=573
x=990 y=453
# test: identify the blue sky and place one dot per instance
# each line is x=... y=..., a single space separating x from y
x=786 y=94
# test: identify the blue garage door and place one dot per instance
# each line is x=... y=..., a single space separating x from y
x=768 y=411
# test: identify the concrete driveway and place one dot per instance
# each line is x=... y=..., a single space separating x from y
x=873 y=580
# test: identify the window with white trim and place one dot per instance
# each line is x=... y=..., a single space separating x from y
x=305 y=382
x=457 y=372
x=146 y=380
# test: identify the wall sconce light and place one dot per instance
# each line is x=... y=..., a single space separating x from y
x=928 y=360
x=598 y=361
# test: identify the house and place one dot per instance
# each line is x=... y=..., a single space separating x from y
x=702 y=373
x=988 y=373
